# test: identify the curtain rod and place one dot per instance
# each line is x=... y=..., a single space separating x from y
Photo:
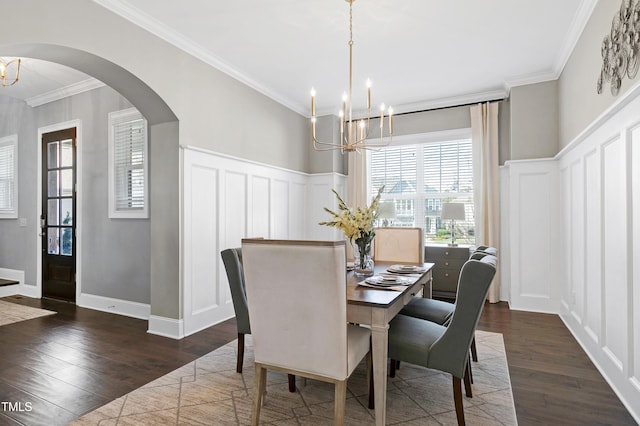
x=450 y=106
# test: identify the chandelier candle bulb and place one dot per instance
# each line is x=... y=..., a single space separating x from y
x=368 y=94
x=390 y=121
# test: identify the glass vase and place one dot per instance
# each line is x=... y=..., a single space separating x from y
x=362 y=262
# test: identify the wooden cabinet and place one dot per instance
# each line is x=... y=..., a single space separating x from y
x=448 y=263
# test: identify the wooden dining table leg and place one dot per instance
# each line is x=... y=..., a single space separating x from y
x=379 y=349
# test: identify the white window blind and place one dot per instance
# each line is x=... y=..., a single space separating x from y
x=8 y=177
x=128 y=157
x=418 y=178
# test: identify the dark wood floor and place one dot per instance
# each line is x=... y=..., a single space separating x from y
x=71 y=363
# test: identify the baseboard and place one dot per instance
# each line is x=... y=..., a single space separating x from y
x=166 y=327
x=9 y=290
x=115 y=306
x=13 y=275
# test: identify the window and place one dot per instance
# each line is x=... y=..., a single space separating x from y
x=419 y=177
x=128 y=165
x=9 y=177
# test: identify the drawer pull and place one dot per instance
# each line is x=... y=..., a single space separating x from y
x=446 y=263
x=446 y=274
x=446 y=253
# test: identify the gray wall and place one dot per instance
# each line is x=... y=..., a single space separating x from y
x=215 y=111
x=579 y=103
x=115 y=252
x=18 y=244
x=534 y=121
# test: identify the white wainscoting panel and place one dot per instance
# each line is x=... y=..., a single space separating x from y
x=634 y=132
x=602 y=308
x=226 y=199
x=533 y=215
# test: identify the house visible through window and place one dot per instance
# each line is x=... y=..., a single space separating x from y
x=8 y=177
x=418 y=178
x=128 y=165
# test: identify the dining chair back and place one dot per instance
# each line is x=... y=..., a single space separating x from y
x=232 y=259
x=475 y=279
x=297 y=300
x=399 y=245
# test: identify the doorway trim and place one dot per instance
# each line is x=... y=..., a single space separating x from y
x=47 y=129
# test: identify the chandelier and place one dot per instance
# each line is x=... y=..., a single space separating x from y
x=9 y=65
x=353 y=133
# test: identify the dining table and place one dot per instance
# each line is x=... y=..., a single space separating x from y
x=376 y=307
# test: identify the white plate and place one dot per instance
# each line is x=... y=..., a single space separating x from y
x=387 y=281
x=405 y=269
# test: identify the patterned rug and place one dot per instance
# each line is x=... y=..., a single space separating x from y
x=208 y=391
x=13 y=312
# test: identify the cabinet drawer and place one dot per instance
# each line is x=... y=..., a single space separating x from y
x=445 y=279
x=446 y=253
x=453 y=264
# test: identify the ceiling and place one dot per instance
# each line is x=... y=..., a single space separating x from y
x=419 y=54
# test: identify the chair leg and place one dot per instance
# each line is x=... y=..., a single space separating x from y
x=260 y=385
x=467 y=381
x=470 y=369
x=340 y=403
x=292 y=383
x=392 y=368
x=457 y=399
x=474 y=352
x=240 y=352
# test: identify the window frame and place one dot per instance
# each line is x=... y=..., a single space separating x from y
x=438 y=137
x=116 y=118
x=11 y=213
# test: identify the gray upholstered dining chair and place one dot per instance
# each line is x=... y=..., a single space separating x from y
x=440 y=311
x=232 y=259
x=297 y=300
x=435 y=346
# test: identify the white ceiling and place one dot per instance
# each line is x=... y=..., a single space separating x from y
x=418 y=54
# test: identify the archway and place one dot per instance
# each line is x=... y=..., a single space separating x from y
x=164 y=178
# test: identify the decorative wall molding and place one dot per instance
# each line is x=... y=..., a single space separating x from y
x=530 y=217
x=600 y=300
x=225 y=199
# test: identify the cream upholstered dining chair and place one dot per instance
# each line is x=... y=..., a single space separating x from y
x=399 y=245
x=297 y=299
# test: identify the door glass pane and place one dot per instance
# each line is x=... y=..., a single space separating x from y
x=66 y=212
x=52 y=213
x=66 y=153
x=52 y=241
x=52 y=179
x=66 y=182
x=66 y=248
x=52 y=150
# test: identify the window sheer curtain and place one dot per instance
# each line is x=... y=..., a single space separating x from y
x=484 y=135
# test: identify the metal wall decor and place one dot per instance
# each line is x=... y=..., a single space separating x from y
x=621 y=47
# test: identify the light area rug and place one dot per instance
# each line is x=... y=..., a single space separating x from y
x=208 y=391
x=13 y=312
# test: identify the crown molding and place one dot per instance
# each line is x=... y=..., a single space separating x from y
x=580 y=20
x=157 y=28
x=70 y=90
